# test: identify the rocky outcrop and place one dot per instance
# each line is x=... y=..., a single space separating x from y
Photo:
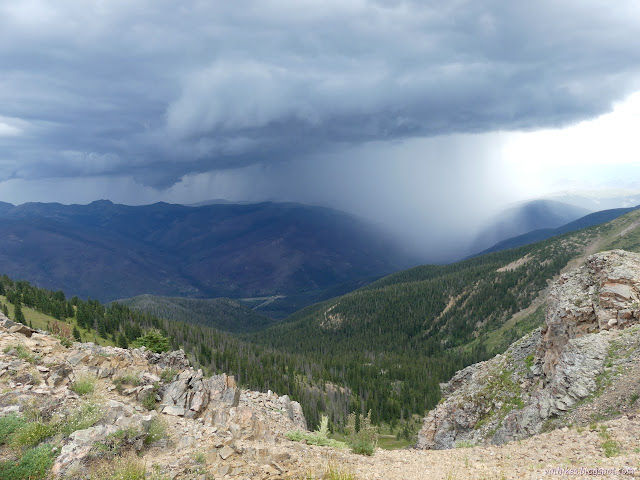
x=237 y=433
x=548 y=372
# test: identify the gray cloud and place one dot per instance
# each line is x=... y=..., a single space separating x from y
x=157 y=90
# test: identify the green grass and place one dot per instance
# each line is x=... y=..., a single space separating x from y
x=121 y=468
x=87 y=415
x=157 y=431
x=43 y=322
x=8 y=426
x=32 y=433
x=22 y=353
x=391 y=442
x=83 y=385
x=149 y=401
x=464 y=444
x=168 y=374
x=320 y=437
x=34 y=464
x=611 y=448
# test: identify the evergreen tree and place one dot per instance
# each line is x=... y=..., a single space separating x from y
x=18 y=316
x=76 y=334
x=5 y=310
x=122 y=341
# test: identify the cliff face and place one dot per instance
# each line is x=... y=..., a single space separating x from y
x=546 y=374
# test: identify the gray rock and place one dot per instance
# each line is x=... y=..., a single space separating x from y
x=568 y=354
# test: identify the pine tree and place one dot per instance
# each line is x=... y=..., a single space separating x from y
x=122 y=341
x=18 y=316
x=76 y=334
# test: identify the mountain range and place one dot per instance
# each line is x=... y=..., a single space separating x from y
x=108 y=251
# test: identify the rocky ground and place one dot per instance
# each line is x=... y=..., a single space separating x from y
x=36 y=372
x=158 y=412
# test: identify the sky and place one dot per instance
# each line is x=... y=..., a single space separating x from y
x=427 y=117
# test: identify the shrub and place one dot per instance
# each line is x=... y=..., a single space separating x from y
x=149 y=401
x=154 y=341
x=365 y=440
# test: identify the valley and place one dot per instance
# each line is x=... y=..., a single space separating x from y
x=387 y=345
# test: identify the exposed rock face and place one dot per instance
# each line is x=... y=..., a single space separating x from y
x=546 y=373
x=601 y=295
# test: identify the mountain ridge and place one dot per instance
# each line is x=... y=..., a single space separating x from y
x=108 y=251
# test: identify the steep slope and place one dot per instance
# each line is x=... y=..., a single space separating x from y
x=590 y=338
x=534 y=215
x=419 y=325
x=220 y=313
x=109 y=251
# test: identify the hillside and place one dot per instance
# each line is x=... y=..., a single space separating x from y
x=109 y=251
x=590 y=220
x=109 y=413
x=219 y=313
x=569 y=372
x=524 y=218
x=418 y=325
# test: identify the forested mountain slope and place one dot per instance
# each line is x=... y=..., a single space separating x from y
x=383 y=348
x=220 y=313
x=108 y=251
x=405 y=332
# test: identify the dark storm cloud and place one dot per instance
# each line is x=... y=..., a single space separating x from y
x=157 y=89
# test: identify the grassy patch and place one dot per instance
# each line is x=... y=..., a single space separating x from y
x=42 y=321
x=611 y=448
x=8 y=426
x=22 y=353
x=121 y=468
x=83 y=385
x=168 y=374
x=149 y=401
x=34 y=464
x=320 y=437
x=32 y=433
x=365 y=440
x=157 y=431
x=464 y=444
x=84 y=417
